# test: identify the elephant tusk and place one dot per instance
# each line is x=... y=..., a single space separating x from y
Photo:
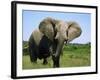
x=57 y=36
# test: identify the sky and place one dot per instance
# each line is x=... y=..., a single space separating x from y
x=31 y=20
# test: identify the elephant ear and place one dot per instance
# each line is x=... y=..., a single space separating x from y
x=47 y=27
x=73 y=30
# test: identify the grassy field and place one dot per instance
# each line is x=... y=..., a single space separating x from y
x=74 y=55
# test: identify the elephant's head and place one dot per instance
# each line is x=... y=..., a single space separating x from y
x=54 y=29
x=60 y=30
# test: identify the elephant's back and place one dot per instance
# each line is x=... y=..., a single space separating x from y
x=37 y=35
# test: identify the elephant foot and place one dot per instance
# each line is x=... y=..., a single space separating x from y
x=33 y=60
x=45 y=62
x=55 y=62
x=56 y=66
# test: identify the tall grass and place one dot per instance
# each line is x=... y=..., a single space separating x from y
x=74 y=55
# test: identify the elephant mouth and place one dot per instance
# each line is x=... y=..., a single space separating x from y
x=66 y=41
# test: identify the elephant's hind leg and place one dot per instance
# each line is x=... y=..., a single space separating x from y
x=33 y=56
x=45 y=61
x=32 y=51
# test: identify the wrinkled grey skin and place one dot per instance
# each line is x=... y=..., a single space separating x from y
x=57 y=32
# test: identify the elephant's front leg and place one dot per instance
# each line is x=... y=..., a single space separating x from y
x=55 y=58
x=56 y=61
x=56 y=54
x=45 y=61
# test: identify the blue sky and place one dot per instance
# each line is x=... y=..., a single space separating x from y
x=31 y=20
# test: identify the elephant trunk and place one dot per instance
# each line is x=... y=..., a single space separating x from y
x=56 y=56
x=59 y=48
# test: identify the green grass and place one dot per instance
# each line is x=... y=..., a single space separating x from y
x=28 y=65
x=73 y=56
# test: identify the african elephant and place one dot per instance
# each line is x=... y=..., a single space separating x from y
x=49 y=39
